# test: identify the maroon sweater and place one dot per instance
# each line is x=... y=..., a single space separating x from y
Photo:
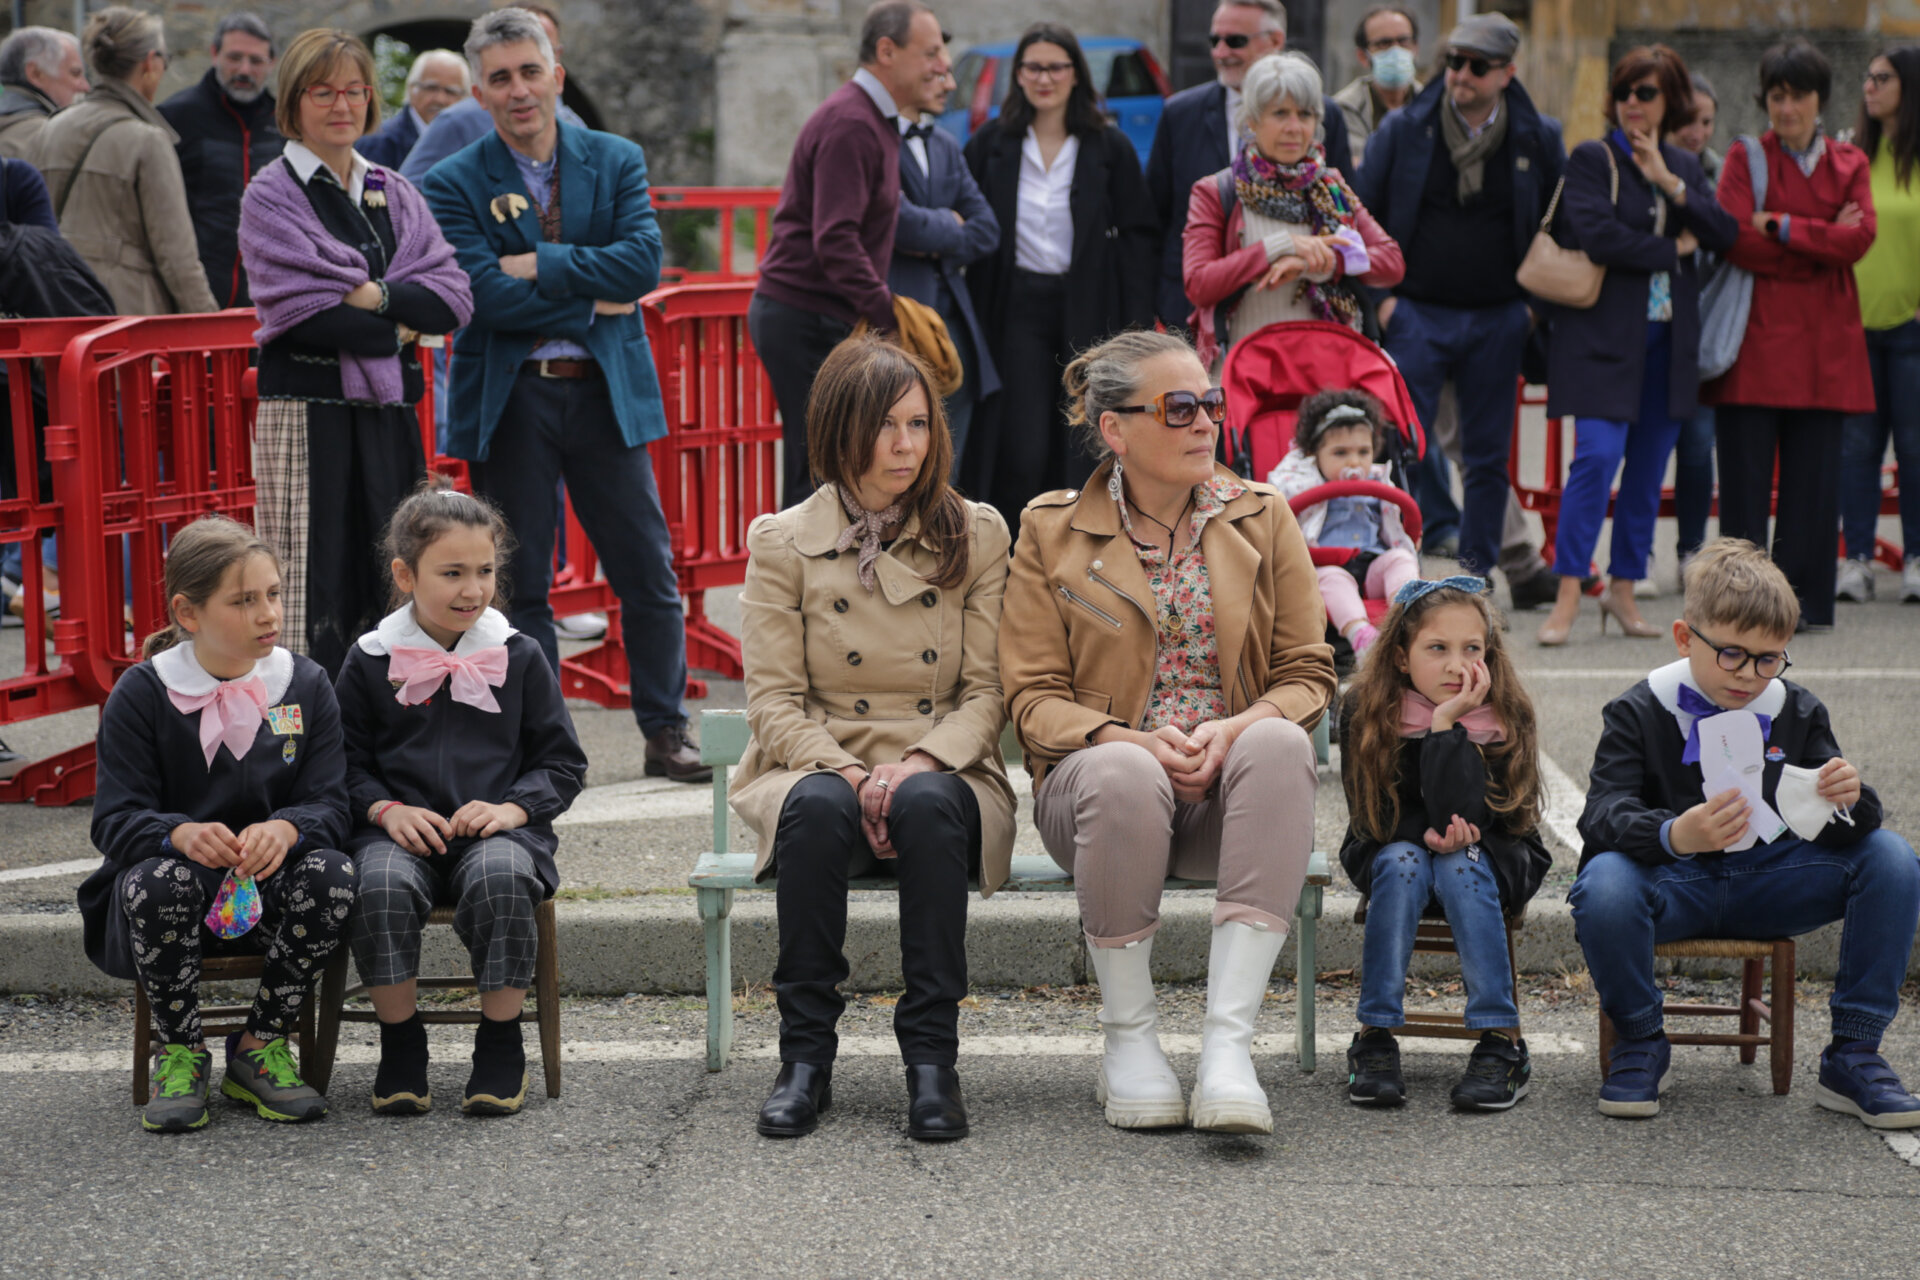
x=832 y=237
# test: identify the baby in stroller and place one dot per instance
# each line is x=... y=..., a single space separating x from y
x=1362 y=548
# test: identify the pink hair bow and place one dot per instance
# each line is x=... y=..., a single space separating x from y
x=231 y=713
x=420 y=672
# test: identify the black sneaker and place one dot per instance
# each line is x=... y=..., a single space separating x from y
x=1497 y=1074
x=1373 y=1070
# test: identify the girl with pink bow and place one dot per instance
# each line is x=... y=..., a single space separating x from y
x=220 y=763
x=1439 y=758
x=460 y=754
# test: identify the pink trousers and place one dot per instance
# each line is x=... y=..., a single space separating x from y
x=1389 y=571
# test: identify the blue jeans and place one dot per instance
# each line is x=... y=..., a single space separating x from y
x=1599 y=445
x=1621 y=908
x=1406 y=877
x=1894 y=356
x=1479 y=348
x=554 y=429
x=1693 y=479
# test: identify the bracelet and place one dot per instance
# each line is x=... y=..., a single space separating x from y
x=379 y=810
x=384 y=299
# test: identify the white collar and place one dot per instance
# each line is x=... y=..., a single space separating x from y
x=882 y=97
x=1666 y=681
x=1064 y=158
x=180 y=671
x=400 y=629
x=305 y=164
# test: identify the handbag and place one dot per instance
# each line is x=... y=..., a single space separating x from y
x=1565 y=277
x=1726 y=300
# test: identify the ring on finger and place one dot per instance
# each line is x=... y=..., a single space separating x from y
x=883 y=784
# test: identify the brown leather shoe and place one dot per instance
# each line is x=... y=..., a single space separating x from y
x=671 y=755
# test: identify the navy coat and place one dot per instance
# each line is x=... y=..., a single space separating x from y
x=1596 y=358
x=392 y=142
x=1393 y=180
x=931 y=250
x=1191 y=143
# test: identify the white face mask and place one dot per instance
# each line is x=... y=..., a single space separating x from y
x=1798 y=798
x=1393 y=68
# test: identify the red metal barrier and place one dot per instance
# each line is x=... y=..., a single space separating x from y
x=729 y=203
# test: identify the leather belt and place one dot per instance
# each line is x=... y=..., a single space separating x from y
x=561 y=368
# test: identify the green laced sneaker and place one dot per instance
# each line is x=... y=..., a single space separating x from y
x=267 y=1080
x=178 y=1102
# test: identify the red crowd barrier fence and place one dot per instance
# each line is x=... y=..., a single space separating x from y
x=730 y=204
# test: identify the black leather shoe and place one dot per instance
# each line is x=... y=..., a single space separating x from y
x=669 y=754
x=935 y=1112
x=801 y=1092
x=1533 y=591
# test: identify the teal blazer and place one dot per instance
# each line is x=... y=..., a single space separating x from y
x=609 y=248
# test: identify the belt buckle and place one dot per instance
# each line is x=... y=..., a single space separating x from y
x=543 y=367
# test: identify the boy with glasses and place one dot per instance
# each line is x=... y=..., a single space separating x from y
x=1663 y=860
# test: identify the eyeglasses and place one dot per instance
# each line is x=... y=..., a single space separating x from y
x=1046 y=70
x=1475 y=63
x=323 y=95
x=1177 y=408
x=1879 y=79
x=1390 y=42
x=1734 y=658
x=1235 y=41
x=1638 y=92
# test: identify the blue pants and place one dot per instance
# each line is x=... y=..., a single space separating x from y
x=1599 y=444
x=1693 y=479
x=554 y=429
x=1479 y=348
x=1621 y=908
x=1405 y=878
x=1894 y=355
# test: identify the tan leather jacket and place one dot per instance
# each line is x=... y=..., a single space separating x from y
x=1078 y=645
x=837 y=677
x=127 y=211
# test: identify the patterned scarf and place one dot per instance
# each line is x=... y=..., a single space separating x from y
x=865 y=530
x=1305 y=193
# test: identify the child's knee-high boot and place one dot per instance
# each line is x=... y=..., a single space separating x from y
x=1137 y=1084
x=1227 y=1097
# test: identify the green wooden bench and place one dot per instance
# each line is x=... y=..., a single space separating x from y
x=720 y=872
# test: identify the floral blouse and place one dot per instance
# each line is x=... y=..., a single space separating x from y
x=1187 y=689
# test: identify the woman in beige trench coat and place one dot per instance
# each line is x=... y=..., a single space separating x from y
x=870 y=624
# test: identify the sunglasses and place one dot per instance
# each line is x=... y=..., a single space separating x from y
x=1733 y=658
x=1473 y=62
x=1236 y=41
x=1638 y=92
x=1177 y=408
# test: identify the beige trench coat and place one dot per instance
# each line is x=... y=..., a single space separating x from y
x=837 y=677
x=127 y=214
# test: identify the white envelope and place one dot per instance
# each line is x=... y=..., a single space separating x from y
x=1733 y=757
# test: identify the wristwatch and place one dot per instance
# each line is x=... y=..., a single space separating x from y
x=1773 y=227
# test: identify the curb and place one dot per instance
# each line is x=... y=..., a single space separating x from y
x=657 y=946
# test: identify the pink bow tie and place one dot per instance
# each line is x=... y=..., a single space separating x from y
x=231 y=713
x=420 y=672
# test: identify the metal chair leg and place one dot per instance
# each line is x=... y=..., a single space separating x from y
x=716 y=905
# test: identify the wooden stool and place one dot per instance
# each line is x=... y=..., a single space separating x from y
x=1433 y=936
x=1751 y=1010
x=334 y=993
x=221 y=1020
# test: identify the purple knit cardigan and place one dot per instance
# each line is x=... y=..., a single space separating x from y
x=296 y=269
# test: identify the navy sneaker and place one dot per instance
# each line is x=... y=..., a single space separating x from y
x=1637 y=1075
x=1373 y=1070
x=1856 y=1081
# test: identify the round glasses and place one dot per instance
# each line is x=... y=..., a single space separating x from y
x=324 y=95
x=1177 y=408
x=1733 y=658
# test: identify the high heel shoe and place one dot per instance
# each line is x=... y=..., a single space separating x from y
x=1638 y=630
x=1554 y=634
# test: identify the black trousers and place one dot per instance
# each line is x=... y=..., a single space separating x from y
x=1806 y=536
x=935 y=825
x=793 y=344
x=1023 y=443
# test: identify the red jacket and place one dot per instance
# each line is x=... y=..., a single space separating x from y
x=1804 y=347
x=1215 y=265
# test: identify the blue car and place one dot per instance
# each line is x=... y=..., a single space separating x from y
x=1125 y=73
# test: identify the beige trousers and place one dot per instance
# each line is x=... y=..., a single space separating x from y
x=1108 y=815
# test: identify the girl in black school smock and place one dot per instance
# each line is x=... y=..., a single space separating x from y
x=460 y=754
x=220 y=753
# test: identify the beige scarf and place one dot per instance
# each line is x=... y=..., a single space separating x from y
x=864 y=532
x=1470 y=154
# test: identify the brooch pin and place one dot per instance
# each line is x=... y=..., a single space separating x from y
x=508 y=206
x=376 y=189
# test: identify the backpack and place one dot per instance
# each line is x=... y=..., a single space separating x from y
x=1726 y=300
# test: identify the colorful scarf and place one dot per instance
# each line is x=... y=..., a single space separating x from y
x=864 y=530
x=1306 y=193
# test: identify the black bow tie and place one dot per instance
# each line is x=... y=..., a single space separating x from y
x=920 y=131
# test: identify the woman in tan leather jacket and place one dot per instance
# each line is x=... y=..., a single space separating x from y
x=1164 y=658
x=873 y=691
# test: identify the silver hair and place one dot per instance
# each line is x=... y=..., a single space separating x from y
x=43 y=48
x=505 y=26
x=247 y=24
x=1273 y=14
x=1274 y=79
x=1107 y=376
x=419 y=66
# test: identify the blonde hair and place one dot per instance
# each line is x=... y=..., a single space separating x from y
x=1107 y=375
x=197 y=562
x=310 y=59
x=119 y=39
x=1733 y=583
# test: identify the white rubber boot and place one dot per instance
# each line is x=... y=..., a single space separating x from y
x=1227 y=1097
x=1137 y=1084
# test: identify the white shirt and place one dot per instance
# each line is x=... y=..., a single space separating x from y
x=305 y=164
x=916 y=147
x=1475 y=130
x=1233 y=120
x=1043 y=222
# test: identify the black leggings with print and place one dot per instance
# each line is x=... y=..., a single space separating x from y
x=303 y=916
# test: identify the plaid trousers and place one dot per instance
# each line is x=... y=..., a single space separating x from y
x=493 y=888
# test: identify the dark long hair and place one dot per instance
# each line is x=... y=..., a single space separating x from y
x=1905 y=135
x=1085 y=114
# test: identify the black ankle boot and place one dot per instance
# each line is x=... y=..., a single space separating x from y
x=801 y=1092
x=935 y=1112
x=400 y=1085
x=498 y=1085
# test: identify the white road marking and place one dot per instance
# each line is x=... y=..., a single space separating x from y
x=1801 y=675
x=1565 y=799
x=1906 y=1145
x=80 y=866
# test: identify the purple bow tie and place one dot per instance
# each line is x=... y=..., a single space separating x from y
x=1700 y=708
